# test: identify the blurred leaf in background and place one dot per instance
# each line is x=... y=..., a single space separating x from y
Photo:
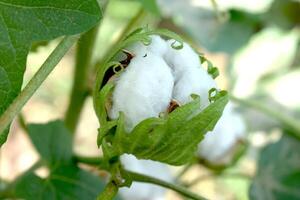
x=64 y=182
x=53 y=142
x=150 y=5
x=65 y=179
x=284 y=13
x=278 y=173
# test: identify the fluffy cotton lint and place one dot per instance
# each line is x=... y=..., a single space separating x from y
x=158 y=46
x=190 y=77
x=143 y=90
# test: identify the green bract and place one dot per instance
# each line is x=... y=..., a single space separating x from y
x=171 y=138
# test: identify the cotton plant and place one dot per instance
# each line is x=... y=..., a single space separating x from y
x=181 y=74
x=158 y=104
x=144 y=191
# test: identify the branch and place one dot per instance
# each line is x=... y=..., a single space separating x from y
x=147 y=179
x=36 y=81
x=80 y=88
x=95 y=161
x=143 y=178
x=109 y=192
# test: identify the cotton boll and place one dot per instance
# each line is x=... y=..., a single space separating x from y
x=144 y=191
x=217 y=145
x=158 y=46
x=179 y=59
x=190 y=76
x=143 y=90
x=193 y=81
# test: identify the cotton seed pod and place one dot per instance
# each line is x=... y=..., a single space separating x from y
x=144 y=191
x=190 y=76
x=143 y=90
x=148 y=117
x=218 y=145
x=157 y=46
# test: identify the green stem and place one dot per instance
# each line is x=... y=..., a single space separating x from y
x=147 y=179
x=80 y=89
x=282 y=118
x=95 y=161
x=143 y=178
x=36 y=81
x=109 y=192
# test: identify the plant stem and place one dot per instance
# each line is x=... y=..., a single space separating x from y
x=285 y=120
x=143 y=178
x=80 y=89
x=36 y=81
x=95 y=161
x=109 y=192
x=147 y=179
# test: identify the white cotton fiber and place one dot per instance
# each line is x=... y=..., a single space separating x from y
x=145 y=191
x=190 y=76
x=158 y=46
x=143 y=90
x=217 y=145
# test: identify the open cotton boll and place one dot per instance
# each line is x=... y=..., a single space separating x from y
x=218 y=144
x=145 y=191
x=158 y=46
x=143 y=90
x=190 y=76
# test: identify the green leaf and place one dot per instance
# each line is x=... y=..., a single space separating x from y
x=23 y=22
x=173 y=139
x=53 y=142
x=65 y=182
x=151 y=6
x=278 y=175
